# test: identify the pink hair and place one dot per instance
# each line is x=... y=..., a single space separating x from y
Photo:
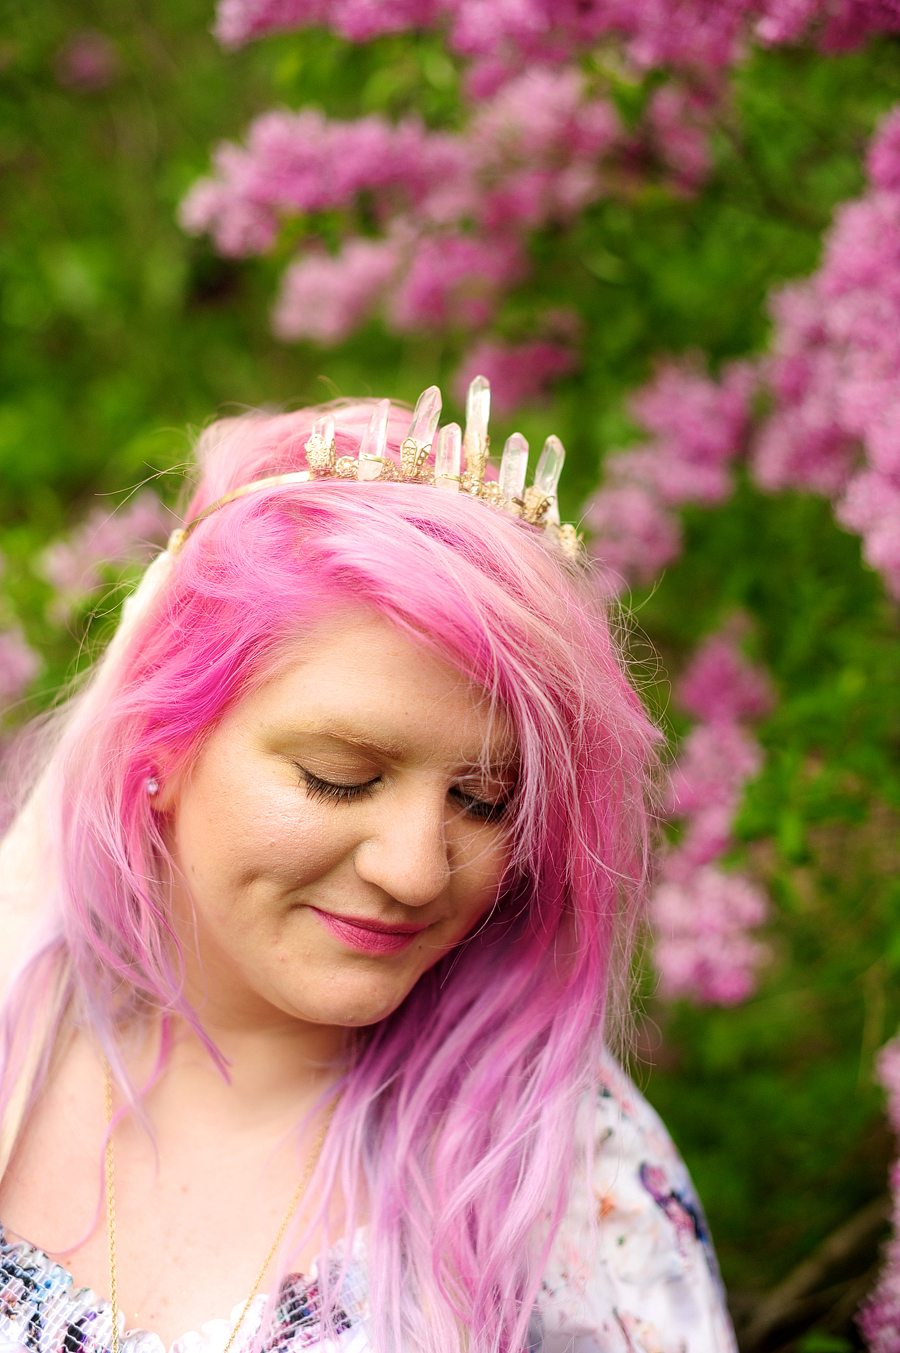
x=458 y=1116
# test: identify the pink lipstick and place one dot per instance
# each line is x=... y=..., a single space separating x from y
x=369 y=937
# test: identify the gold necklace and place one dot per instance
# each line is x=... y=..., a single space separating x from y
x=301 y=1188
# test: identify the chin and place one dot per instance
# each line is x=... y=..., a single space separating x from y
x=347 y=1009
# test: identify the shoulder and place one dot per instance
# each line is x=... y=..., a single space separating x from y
x=632 y=1269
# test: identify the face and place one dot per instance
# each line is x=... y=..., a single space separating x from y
x=342 y=829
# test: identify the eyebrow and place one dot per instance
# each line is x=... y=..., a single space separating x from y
x=390 y=750
x=395 y=751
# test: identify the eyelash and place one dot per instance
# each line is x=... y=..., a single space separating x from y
x=325 y=791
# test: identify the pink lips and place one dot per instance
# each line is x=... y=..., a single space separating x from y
x=369 y=937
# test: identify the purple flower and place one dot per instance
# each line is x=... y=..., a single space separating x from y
x=75 y=564
x=517 y=372
x=87 y=63
x=703 y=951
x=699 y=426
x=679 y=123
x=879 y=1319
x=835 y=368
x=19 y=665
x=688 y=33
x=325 y=298
x=453 y=280
x=701 y=914
x=883 y=159
x=715 y=762
x=635 y=536
x=720 y=685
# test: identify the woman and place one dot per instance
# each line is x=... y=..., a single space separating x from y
x=337 y=858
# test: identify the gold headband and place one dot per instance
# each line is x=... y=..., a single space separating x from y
x=535 y=505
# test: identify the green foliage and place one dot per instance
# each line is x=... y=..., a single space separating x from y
x=121 y=335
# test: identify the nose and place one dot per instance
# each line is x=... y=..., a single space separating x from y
x=405 y=851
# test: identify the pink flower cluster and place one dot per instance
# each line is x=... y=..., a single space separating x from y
x=697 y=428
x=879 y=1319
x=517 y=372
x=835 y=370
x=702 y=914
x=19 y=665
x=75 y=565
x=501 y=37
x=87 y=63
x=453 y=211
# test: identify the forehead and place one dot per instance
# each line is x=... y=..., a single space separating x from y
x=360 y=678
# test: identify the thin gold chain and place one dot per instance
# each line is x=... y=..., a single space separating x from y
x=298 y=1193
x=111 y=1215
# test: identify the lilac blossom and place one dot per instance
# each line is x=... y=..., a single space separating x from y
x=679 y=125
x=75 y=565
x=454 y=280
x=721 y=686
x=879 y=1319
x=702 y=915
x=517 y=372
x=835 y=369
x=451 y=211
x=87 y=63
x=688 y=33
x=634 y=535
x=697 y=428
x=536 y=149
x=325 y=298
x=302 y=163
x=19 y=665
x=703 y=951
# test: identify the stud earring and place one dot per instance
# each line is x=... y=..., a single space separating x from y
x=152 y=785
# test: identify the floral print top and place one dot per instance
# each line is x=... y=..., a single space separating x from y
x=632 y=1269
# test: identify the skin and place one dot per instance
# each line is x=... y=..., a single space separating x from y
x=349 y=785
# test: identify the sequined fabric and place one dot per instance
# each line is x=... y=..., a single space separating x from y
x=632 y=1269
x=42 y=1310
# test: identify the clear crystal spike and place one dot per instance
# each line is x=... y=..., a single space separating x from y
x=478 y=412
x=513 y=467
x=549 y=469
x=448 y=456
x=426 y=417
x=373 y=447
x=324 y=427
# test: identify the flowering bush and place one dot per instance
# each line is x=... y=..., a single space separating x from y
x=19 y=665
x=692 y=33
x=880 y=1317
x=76 y=565
x=453 y=210
x=835 y=372
x=701 y=913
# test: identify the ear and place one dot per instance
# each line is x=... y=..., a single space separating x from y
x=170 y=781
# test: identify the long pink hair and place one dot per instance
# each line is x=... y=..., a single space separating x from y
x=457 y=1120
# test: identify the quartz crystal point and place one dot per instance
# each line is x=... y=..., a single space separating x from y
x=426 y=417
x=478 y=413
x=550 y=465
x=324 y=427
x=373 y=447
x=447 y=457
x=513 y=467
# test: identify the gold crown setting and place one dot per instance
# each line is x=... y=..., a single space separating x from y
x=535 y=505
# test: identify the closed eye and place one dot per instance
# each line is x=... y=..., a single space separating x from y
x=326 y=791
x=480 y=808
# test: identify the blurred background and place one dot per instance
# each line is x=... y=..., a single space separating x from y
x=668 y=230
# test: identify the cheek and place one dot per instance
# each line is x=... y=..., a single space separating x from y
x=232 y=833
x=480 y=860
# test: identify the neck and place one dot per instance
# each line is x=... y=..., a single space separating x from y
x=274 y=1071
